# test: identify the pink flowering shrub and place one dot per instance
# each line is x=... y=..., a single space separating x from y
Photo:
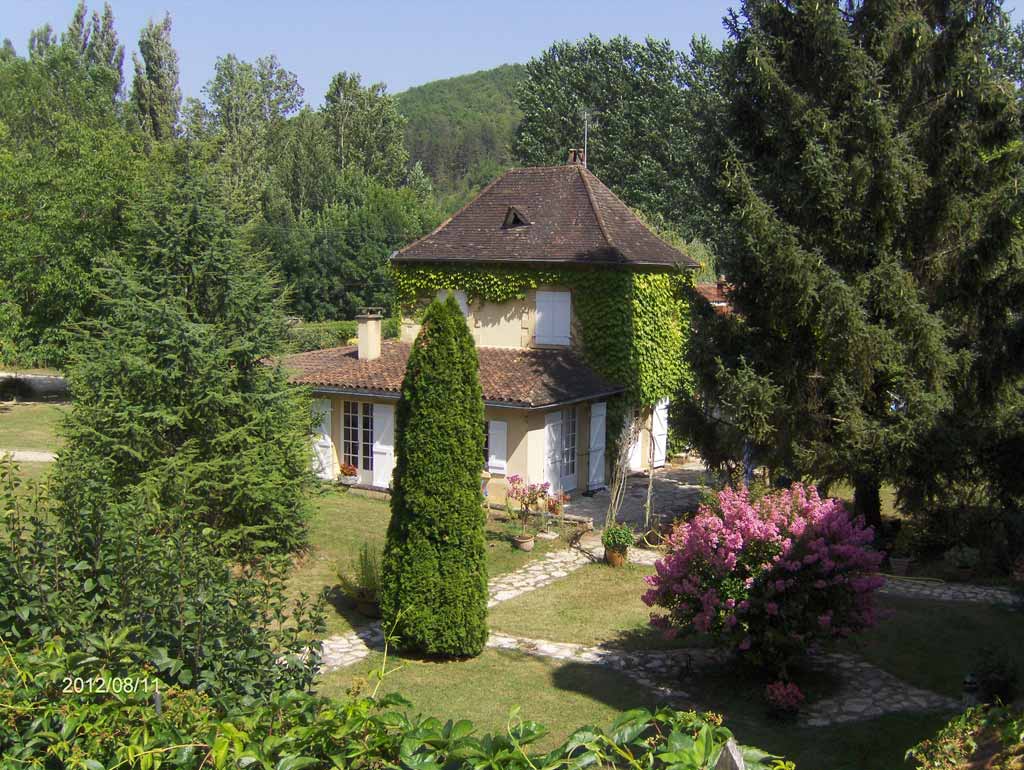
x=767 y=577
x=784 y=696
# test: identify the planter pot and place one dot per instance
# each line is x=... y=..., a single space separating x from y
x=367 y=608
x=615 y=557
x=523 y=542
x=900 y=564
x=348 y=481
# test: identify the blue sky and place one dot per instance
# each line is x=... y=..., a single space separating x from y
x=402 y=43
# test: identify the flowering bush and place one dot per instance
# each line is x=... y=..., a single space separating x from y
x=784 y=697
x=767 y=577
x=528 y=496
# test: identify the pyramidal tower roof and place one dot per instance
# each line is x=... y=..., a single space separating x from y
x=546 y=215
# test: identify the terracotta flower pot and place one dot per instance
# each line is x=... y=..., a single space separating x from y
x=523 y=542
x=615 y=557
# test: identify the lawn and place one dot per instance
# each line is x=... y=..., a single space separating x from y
x=342 y=521
x=30 y=426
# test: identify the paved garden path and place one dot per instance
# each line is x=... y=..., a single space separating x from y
x=341 y=651
x=866 y=691
x=677 y=488
x=947 y=592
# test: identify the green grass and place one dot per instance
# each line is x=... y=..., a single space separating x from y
x=593 y=604
x=30 y=426
x=935 y=644
x=564 y=696
x=342 y=521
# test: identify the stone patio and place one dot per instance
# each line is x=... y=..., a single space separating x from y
x=677 y=488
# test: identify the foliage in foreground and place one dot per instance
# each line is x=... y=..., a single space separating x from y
x=767 y=576
x=434 y=588
x=131 y=589
x=45 y=727
x=999 y=729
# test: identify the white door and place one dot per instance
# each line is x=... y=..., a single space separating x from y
x=659 y=432
x=323 y=447
x=553 y=450
x=636 y=457
x=596 y=459
x=383 y=444
x=570 y=443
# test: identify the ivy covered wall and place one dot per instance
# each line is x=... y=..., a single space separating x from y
x=634 y=325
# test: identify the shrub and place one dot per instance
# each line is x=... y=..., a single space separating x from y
x=617 y=537
x=954 y=746
x=133 y=588
x=434 y=590
x=317 y=335
x=997 y=676
x=767 y=577
x=297 y=730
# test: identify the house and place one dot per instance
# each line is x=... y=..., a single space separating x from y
x=529 y=260
x=716 y=295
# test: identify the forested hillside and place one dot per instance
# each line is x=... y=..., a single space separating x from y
x=461 y=129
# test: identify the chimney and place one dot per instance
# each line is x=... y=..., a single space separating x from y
x=577 y=157
x=369 y=333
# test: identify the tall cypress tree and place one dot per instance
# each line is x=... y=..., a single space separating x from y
x=837 y=345
x=155 y=95
x=435 y=573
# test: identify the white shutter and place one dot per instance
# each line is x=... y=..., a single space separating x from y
x=497 y=438
x=460 y=297
x=636 y=460
x=554 y=317
x=596 y=462
x=383 y=444
x=324 y=456
x=553 y=450
x=659 y=433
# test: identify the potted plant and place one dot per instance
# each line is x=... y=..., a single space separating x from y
x=553 y=510
x=784 y=699
x=616 y=538
x=361 y=581
x=528 y=496
x=349 y=474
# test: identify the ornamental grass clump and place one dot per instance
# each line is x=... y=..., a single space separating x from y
x=767 y=577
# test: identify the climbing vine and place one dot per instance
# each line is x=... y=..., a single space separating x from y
x=633 y=325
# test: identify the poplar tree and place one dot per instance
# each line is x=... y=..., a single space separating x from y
x=155 y=95
x=434 y=592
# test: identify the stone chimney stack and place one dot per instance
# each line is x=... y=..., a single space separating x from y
x=369 y=333
x=577 y=157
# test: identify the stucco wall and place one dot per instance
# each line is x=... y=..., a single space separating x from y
x=509 y=324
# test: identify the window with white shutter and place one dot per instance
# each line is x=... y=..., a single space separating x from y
x=497 y=450
x=554 y=318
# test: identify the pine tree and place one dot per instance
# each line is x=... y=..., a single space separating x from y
x=434 y=571
x=155 y=95
x=837 y=347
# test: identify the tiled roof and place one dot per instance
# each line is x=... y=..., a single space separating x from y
x=715 y=294
x=517 y=377
x=572 y=218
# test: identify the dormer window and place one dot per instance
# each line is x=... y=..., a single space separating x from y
x=514 y=218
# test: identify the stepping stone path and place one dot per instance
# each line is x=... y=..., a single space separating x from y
x=868 y=692
x=947 y=592
x=341 y=651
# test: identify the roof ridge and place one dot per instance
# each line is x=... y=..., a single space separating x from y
x=593 y=205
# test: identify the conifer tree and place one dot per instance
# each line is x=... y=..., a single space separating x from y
x=837 y=347
x=434 y=570
x=172 y=394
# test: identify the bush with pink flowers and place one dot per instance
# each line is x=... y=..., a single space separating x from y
x=767 y=576
x=785 y=698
